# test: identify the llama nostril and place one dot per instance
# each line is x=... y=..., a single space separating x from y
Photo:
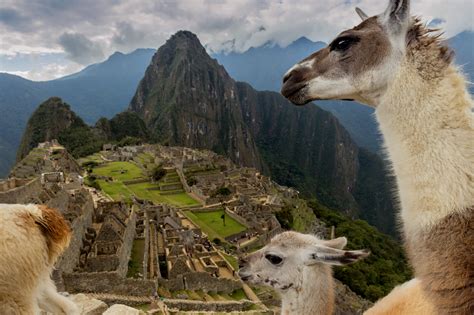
x=288 y=75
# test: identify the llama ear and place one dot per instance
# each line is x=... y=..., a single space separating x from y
x=397 y=15
x=361 y=14
x=338 y=243
x=332 y=256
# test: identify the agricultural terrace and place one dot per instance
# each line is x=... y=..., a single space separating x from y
x=120 y=188
x=121 y=171
x=212 y=224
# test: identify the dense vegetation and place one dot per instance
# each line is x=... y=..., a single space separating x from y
x=158 y=173
x=376 y=275
x=54 y=119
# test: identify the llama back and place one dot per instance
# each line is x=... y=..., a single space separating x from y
x=31 y=239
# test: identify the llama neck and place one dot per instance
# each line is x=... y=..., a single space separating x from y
x=429 y=134
x=313 y=296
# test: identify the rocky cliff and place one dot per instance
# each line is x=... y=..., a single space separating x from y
x=186 y=98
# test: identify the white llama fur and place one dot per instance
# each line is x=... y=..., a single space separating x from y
x=304 y=276
x=405 y=299
x=392 y=63
x=31 y=239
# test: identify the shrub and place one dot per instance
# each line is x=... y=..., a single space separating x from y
x=222 y=191
x=90 y=164
x=191 y=181
x=158 y=173
x=375 y=276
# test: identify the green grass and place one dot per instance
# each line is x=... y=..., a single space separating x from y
x=211 y=223
x=180 y=199
x=91 y=158
x=238 y=295
x=117 y=190
x=115 y=169
x=231 y=260
x=136 y=258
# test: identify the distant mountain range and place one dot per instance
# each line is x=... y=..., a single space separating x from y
x=100 y=90
x=104 y=89
x=264 y=67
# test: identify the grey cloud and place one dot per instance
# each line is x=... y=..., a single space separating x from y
x=15 y=20
x=229 y=25
x=80 y=49
x=126 y=35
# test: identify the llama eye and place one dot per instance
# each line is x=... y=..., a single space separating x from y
x=342 y=44
x=275 y=260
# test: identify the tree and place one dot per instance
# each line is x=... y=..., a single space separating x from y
x=158 y=173
x=222 y=191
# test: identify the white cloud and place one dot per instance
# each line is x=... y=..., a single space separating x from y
x=102 y=27
x=46 y=72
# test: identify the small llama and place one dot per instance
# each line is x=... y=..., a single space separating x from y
x=299 y=267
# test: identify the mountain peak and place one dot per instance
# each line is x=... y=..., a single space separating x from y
x=48 y=122
x=184 y=39
x=183 y=45
x=116 y=55
x=184 y=34
x=303 y=40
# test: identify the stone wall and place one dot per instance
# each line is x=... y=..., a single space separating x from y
x=214 y=306
x=107 y=282
x=70 y=258
x=147 y=246
x=200 y=281
x=236 y=217
x=22 y=194
x=135 y=181
x=102 y=263
x=8 y=184
x=127 y=244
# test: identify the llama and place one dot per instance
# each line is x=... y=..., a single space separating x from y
x=407 y=298
x=31 y=239
x=393 y=63
x=299 y=267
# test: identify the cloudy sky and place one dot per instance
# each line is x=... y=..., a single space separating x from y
x=46 y=39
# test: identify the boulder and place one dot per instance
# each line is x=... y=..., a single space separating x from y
x=120 y=309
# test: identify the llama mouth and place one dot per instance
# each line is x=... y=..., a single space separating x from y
x=293 y=93
x=244 y=277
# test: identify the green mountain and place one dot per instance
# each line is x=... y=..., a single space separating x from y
x=186 y=98
x=54 y=119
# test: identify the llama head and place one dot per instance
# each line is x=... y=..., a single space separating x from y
x=282 y=263
x=358 y=65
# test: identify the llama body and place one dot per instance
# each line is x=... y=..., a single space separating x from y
x=431 y=147
x=408 y=298
x=31 y=239
x=392 y=63
x=299 y=267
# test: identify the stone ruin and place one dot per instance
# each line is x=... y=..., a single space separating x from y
x=186 y=260
x=108 y=243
